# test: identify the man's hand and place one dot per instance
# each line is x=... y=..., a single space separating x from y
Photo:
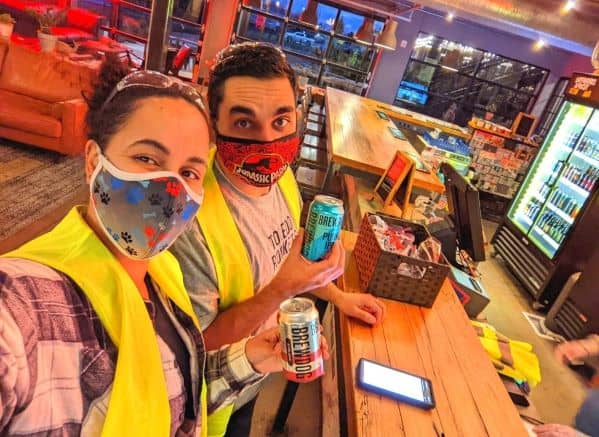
x=362 y=306
x=264 y=351
x=298 y=275
x=554 y=430
x=576 y=350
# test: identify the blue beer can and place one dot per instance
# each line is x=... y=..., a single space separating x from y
x=323 y=225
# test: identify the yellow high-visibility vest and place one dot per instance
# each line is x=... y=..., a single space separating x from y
x=230 y=257
x=139 y=397
x=512 y=358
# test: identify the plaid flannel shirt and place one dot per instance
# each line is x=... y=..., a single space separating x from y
x=57 y=362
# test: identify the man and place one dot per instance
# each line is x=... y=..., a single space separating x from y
x=587 y=418
x=242 y=258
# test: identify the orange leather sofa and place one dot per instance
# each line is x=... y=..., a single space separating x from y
x=40 y=98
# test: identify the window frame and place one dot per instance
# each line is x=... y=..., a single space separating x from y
x=473 y=77
x=372 y=51
x=111 y=24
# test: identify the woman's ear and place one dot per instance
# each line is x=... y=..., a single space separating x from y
x=92 y=157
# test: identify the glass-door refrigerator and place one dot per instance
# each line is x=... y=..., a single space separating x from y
x=552 y=224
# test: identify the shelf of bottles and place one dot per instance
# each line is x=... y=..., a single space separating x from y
x=561 y=180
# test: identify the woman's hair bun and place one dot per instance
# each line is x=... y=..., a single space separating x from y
x=113 y=69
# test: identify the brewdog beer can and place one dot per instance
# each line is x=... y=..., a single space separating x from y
x=300 y=340
x=323 y=225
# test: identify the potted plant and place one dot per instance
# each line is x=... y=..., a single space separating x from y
x=47 y=19
x=7 y=23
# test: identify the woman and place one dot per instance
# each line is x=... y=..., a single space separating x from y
x=97 y=333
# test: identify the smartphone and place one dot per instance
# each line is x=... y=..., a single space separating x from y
x=519 y=399
x=403 y=386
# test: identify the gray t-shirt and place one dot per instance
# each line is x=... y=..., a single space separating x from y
x=267 y=229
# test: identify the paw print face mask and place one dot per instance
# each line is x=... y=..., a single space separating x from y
x=142 y=213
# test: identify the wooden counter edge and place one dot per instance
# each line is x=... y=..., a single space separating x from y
x=349 y=240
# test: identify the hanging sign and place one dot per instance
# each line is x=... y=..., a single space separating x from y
x=584 y=88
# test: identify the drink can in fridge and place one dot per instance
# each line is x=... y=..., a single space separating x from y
x=300 y=340
x=323 y=225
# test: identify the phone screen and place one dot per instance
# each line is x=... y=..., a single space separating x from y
x=396 y=381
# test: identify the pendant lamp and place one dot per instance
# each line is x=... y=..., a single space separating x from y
x=386 y=39
x=309 y=14
x=365 y=32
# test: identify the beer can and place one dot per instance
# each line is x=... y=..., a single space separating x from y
x=300 y=340
x=323 y=225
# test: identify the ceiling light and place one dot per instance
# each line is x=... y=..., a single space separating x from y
x=386 y=38
x=449 y=17
x=568 y=6
x=539 y=44
x=366 y=32
x=309 y=14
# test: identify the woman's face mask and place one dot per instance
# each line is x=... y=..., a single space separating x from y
x=142 y=213
x=259 y=163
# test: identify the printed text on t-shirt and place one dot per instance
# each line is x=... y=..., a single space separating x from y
x=281 y=240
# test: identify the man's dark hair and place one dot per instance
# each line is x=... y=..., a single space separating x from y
x=259 y=60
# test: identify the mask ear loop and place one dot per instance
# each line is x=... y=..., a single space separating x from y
x=96 y=171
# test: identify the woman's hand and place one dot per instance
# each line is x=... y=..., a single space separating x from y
x=264 y=351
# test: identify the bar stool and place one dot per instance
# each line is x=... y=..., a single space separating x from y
x=315 y=142
x=310 y=181
x=313 y=158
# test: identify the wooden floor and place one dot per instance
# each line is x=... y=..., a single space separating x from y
x=44 y=224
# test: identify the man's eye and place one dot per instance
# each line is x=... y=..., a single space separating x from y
x=189 y=174
x=281 y=122
x=146 y=160
x=243 y=124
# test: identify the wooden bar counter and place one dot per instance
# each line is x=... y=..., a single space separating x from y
x=359 y=139
x=438 y=343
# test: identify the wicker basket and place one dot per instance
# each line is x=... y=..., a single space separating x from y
x=378 y=269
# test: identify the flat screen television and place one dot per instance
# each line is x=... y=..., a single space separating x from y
x=464 y=210
x=412 y=92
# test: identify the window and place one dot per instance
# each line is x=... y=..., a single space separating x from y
x=442 y=72
x=128 y=22
x=553 y=105
x=339 y=78
x=326 y=14
x=274 y=7
x=305 y=67
x=322 y=48
x=350 y=54
x=134 y=21
x=308 y=42
x=259 y=27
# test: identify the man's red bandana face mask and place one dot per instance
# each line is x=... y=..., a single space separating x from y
x=259 y=163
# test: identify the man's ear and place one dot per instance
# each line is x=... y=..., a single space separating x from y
x=92 y=158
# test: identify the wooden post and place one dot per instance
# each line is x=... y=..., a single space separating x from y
x=158 y=32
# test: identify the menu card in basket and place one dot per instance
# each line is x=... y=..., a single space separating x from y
x=396 y=183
